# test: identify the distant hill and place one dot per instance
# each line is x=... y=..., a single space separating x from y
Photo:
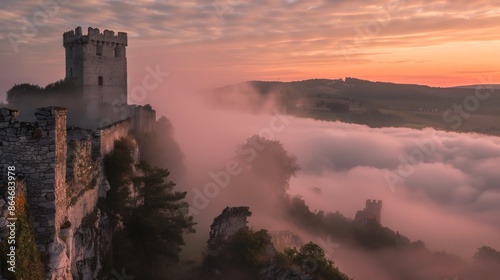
x=376 y=104
x=495 y=86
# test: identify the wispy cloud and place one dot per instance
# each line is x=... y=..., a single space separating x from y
x=303 y=37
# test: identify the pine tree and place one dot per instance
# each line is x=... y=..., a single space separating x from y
x=156 y=227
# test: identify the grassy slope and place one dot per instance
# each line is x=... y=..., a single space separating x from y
x=400 y=103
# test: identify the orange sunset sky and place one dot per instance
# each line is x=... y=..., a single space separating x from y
x=216 y=42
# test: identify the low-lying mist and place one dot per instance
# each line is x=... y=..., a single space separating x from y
x=439 y=187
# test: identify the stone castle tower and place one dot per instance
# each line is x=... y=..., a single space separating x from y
x=60 y=168
x=97 y=63
x=372 y=212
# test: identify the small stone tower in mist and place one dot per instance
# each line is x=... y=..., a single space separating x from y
x=97 y=63
x=372 y=212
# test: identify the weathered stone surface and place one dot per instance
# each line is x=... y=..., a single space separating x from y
x=63 y=166
x=3 y=223
x=232 y=220
x=58 y=260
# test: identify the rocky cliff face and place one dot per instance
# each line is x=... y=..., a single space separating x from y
x=83 y=239
x=78 y=251
x=233 y=220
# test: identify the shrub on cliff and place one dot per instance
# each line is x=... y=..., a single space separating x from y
x=243 y=255
x=28 y=264
x=118 y=168
x=153 y=220
x=487 y=254
x=312 y=260
x=268 y=161
x=159 y=148
x=155 y=228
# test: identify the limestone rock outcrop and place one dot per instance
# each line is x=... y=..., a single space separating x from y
x=232 y=220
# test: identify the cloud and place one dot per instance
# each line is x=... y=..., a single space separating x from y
x=450 y=199
x=454 y=188
x=294 y=38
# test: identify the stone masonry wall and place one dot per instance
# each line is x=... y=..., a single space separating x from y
x=61 y=149
x=38 y=151
x=143 y=118
x=113 y=132
x=82 y=169
x=98 y=63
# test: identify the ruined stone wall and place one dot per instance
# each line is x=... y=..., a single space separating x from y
x=38 y=152
x=143 y=118
x=372 y=211
x=85 y=236
x=109 y=134
x=83 y=166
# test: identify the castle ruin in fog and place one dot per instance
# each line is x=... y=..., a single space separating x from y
x=97 y=64
x=372 y=212
x=60 y=167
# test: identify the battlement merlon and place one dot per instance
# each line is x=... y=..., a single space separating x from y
x=373 y=202
x=108 y=36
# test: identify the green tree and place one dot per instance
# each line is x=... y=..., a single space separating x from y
x=487 y=254
x=22 y=91
x=155 y=228
x=269 y=161
x=311 y=258
x=61 y=86
x=243 y=255
x=159 y=148
x=247 y=247
x=118 y=167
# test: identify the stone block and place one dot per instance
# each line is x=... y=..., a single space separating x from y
x=51 y=197
x=3 y=223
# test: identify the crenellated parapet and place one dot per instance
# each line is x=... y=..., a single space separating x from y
x=372 y=212
x=373 y=203
x=94 y=35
